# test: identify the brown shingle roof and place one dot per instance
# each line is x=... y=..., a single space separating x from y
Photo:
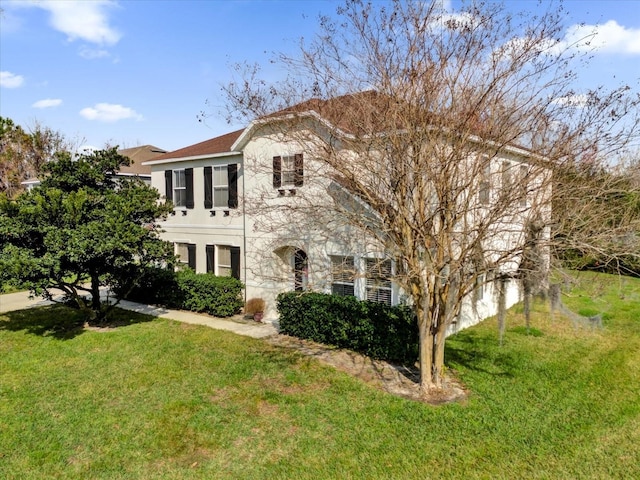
x=221 y=144
x=139 y=154
x=356 y=113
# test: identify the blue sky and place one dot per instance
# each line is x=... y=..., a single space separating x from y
x=135 y=72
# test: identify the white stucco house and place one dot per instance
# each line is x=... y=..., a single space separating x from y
x=231 y=197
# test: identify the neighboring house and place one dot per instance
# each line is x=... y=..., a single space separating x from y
x=228 y=190
x=138 y=155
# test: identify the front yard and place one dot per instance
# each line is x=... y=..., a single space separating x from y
x=160 y=399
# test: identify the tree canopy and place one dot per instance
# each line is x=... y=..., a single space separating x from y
x=81 y=229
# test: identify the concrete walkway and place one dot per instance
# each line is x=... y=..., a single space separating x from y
x=20 y=301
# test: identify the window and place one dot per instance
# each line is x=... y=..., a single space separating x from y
x=342 y=276
x=288 y=171
x=228 y=261
x=224 y=261
x=179 y=187
x=221 y=186
x=186 y=253
x=378 y=275
x=506 y=177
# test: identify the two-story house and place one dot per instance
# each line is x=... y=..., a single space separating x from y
x=250 y=203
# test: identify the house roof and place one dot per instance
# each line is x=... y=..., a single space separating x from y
x=221 y=144
x=353 y=114
x=139 y=154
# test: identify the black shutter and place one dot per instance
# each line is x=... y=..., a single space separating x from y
x=235 y=262
x=188 y=178
x=210 y=258
x=208 y=188
x=191 y=249
x=277 y=172
x=299 y=166
x=232 y=176
x=168 y=185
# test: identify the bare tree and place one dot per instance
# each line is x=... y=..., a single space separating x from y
x=23 y=153
x=434 y=135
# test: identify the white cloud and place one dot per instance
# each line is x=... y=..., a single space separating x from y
x=92 y=53
x=81 y=19
x=10 y=80
x=609 y=37
x=47 y=103
x=108 y=112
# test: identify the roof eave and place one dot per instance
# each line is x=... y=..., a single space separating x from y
x=192 y=158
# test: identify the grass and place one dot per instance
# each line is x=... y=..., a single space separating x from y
x=159 y=399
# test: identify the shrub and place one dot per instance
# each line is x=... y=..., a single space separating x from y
x=254 y=305
x=374 y=329
x=198 y=292
x=205 y=292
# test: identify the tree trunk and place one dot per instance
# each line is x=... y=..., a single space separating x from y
x=96 y=305
x=431 y=352
x=426 y=352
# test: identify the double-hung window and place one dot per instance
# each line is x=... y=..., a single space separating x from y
x=378 y=280
x=288 y=171
x=342 y=276
x=179 y=188
x=186 y=253
x=220 y=187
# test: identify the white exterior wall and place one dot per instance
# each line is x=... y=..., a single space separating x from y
x=199 y=225
x=267 y=251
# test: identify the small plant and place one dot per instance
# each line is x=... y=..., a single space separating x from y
x=255 y=308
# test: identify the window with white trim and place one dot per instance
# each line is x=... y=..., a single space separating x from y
x=378 y=280
x=288 y=170
x=342 y=276
x=179 y=188
x=224 y=261
x=221 y=186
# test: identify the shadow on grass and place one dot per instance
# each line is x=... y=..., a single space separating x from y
x=479 y=353
x=64 y=323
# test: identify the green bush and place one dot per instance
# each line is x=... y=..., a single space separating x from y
x=205 y=292
x=198 y=292
x=374 y=329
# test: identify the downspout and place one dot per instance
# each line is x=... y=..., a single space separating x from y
x=244 y=230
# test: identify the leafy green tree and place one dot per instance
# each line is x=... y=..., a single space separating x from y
x=82 y=229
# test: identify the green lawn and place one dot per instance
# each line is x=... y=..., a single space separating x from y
x=159 y=399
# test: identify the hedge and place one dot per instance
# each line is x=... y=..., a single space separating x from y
x=187 y=290
x=374 y=329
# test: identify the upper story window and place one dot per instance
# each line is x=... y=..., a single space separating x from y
x=221 y=186
x=179 y=187
x=288 y=171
